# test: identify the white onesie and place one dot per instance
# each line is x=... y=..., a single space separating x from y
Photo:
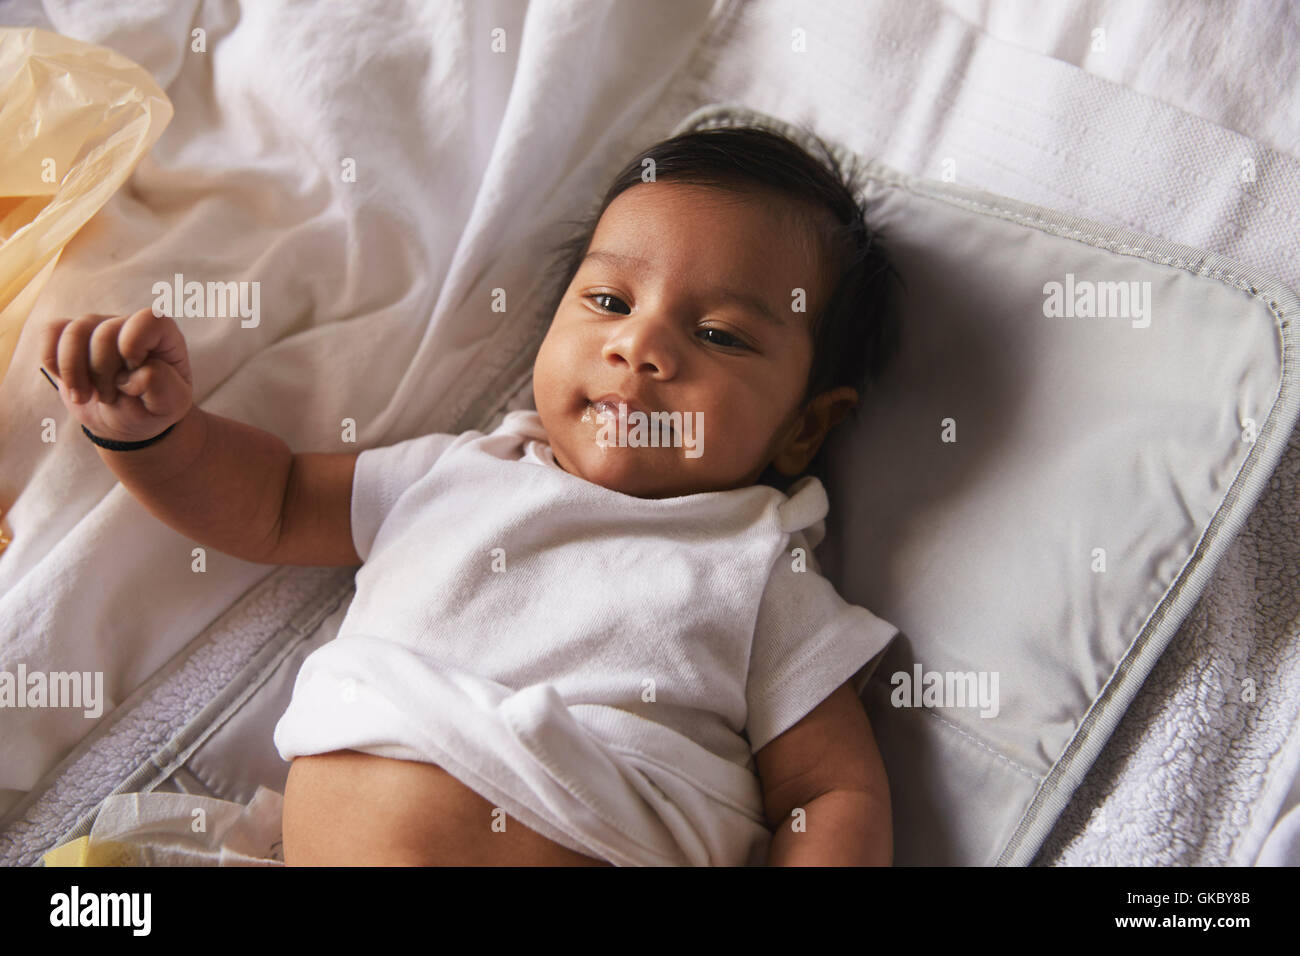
x=600 y=666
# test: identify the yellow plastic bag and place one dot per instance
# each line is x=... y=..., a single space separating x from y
x=74 y=120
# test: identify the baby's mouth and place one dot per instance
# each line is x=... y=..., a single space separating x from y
x=598 y=409
x=601 y=413
x=602 y=410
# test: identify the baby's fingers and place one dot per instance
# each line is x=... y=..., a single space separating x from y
x=146 y=336
x=71 y=357
x=50 y=351
x=159 y=386
x=105 y=358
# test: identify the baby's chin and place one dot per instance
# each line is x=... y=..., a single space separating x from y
x=639 y=472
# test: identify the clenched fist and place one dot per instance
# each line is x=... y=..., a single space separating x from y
x=123 y=377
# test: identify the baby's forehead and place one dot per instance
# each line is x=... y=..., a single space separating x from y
x=762 y=224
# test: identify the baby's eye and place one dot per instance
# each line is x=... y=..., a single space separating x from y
x=732 y=341
x=612 y=298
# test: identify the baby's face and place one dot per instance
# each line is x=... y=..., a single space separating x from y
x=685 y=303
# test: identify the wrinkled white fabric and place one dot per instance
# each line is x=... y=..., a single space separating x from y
x=378 y=170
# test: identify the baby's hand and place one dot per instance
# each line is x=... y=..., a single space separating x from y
x=123 y=377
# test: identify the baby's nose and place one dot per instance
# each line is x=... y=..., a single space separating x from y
x=645 y=346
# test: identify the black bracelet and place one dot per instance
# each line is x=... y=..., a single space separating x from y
x=114 y=445
x=110 y=443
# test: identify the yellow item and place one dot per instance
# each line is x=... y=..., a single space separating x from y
x=75 y=119
x=80 y=852
x=178 y=829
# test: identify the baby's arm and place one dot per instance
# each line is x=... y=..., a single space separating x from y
x=828 y=766
x=225 y=484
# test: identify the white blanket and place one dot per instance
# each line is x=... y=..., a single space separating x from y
x=376 y=295
x=376 y=312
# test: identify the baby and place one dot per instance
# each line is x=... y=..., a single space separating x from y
x=571 y=644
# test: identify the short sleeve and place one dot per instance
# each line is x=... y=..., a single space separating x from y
x=808 y=641
x=380 y=477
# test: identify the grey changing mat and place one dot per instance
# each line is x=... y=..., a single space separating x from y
x=1079 y=422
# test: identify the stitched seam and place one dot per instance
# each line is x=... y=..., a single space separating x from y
x=1185 y=171
x=883 y=689
x=1093 y=239
x=1236 y=228
x=1138 y=225
x=1088 y=131
x=1037 y=778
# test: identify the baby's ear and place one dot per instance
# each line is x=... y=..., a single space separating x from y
x=842 y=401
x=819 y=416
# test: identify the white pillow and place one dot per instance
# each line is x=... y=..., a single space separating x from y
x=1077 y=440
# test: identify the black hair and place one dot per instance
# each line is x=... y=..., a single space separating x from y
x=857 y=331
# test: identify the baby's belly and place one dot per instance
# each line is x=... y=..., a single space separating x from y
x=347 y=808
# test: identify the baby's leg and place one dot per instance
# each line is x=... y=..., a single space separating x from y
x=346 y=808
